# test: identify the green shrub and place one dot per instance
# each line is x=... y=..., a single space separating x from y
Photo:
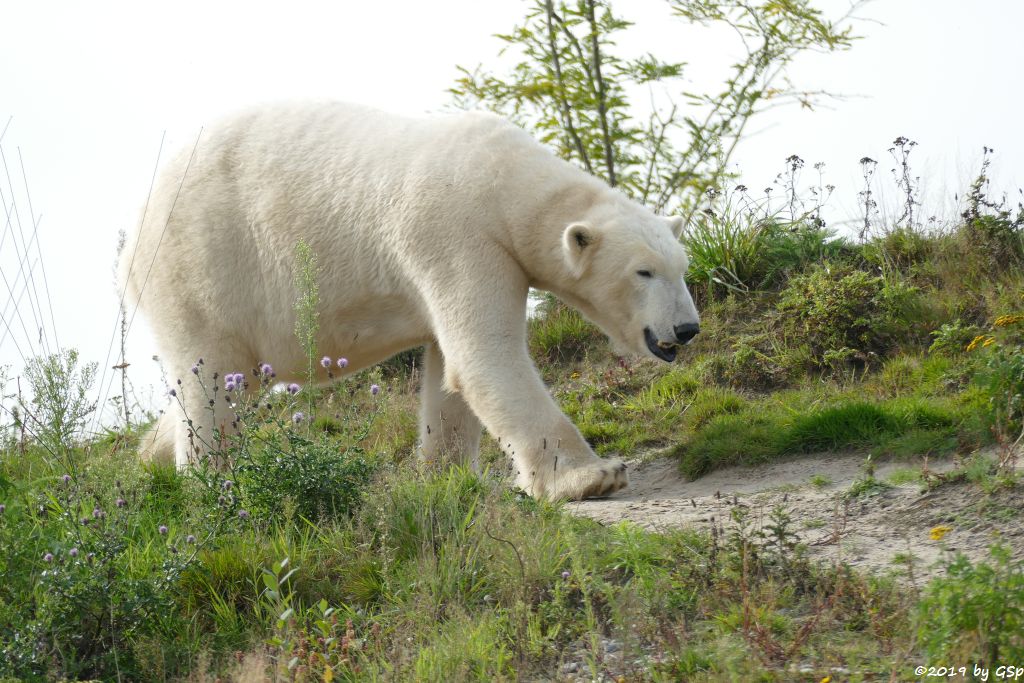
x=1002 y=374
x=315 y=477
x=846 y=313
x=999 y=238
x=60 y=403
x=902 y=249
x=975 y=613
x=89 y=567
x=761 y=362
x=952 y=338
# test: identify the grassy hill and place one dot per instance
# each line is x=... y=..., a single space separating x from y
x=324 y=552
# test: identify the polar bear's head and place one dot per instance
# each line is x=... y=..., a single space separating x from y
x=626 y=270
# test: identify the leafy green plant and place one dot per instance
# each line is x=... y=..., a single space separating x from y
x=60 y=401
x=845 y=312
x=95 y=568
x=989 y=226
x=952 y=338
x=975 y=613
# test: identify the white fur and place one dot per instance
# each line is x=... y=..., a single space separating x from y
x=427 y=231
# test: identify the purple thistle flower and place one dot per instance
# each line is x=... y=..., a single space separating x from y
x=120 y=502
x=243 y=514
x=298 y=417
x=66 y=478
x=239 y=378
x=229 y=385
x=325 y=361
x=190 y=539
x=48 y=557
x=293 y=388
x=374 y=389
x=3 y=508
x=565 y=575
x=227 y=484
x=195 y=369
x=73 y=552
x=343 y=363
x=266 y=369
x=96 y=513
x=172 y=393
x=162 y=529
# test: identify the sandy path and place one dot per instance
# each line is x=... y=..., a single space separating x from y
x=873 y=531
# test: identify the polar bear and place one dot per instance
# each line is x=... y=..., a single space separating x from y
x=429 y=232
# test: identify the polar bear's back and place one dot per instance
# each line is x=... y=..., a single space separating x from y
x=348 y=180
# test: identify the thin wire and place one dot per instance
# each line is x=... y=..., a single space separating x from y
x=17 y=312
x=39 y=250
x=9 y=226
x=24 y=288
x=34 y=296
x=3 y=318
x=164 y=231
x=152 y=262
x=21 y=270
x=131 y=264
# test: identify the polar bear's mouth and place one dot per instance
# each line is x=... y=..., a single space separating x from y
x=663 y=350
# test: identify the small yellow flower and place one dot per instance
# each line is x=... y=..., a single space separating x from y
x=938 y=532
x=826 y=679
x=989 y=342
x=980 y=340
x=1004 y=320
x=574 y=375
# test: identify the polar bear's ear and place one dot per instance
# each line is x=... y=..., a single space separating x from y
x=578 y=243
x=675 y=224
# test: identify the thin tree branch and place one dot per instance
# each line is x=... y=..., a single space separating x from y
x=602 y=106
x=560 y=91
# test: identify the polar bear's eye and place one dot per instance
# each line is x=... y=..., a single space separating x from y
x=644 y=273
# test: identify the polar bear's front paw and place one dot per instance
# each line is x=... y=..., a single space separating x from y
x=593 y=479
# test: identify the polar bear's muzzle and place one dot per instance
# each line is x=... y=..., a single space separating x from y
x=666 y=350
x=663 y=350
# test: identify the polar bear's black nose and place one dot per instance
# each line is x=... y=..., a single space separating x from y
x=686 y=332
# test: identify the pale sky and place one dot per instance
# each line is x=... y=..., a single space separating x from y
x=90 y=88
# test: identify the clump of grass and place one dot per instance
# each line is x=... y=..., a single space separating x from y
x=738 y=244
x=764 y=430
x=558 y=334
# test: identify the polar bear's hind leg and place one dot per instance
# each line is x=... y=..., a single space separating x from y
x=449 y=431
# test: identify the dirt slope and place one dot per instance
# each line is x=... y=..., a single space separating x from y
x=877 y=531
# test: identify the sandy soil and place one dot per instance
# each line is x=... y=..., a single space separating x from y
x=876 y=532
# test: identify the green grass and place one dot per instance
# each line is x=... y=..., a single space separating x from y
x=770 y=429
x=326 y=549
x=436 y=577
